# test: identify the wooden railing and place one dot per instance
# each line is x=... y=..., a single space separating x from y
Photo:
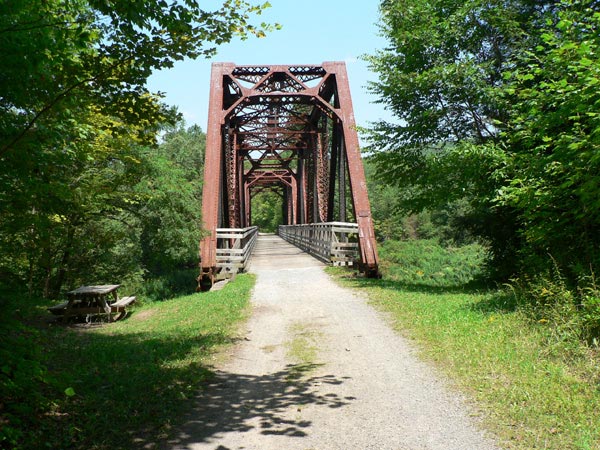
x=332 y=242
x=234 y=248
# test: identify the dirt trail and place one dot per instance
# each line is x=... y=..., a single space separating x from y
x=320 y=369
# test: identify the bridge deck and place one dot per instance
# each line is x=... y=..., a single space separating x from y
x=272 y=252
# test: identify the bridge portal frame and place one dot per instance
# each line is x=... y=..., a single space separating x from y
x=255 y=110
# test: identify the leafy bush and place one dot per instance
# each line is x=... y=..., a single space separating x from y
x=590 y=314
x=169 y=285
x=425 y=262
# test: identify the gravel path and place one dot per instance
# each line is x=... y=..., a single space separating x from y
x=320 y=369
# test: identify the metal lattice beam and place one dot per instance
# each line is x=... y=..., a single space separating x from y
x=290 y=129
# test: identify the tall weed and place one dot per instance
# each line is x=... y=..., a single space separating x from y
x=571 y=313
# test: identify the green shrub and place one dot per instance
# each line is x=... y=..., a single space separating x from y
x=427 y=263
x=169 y=285
x=589 y=308
x=590 y=314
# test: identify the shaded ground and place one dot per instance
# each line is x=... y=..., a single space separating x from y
x=357 y=385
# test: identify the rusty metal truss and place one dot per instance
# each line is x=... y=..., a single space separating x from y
x=288 y=129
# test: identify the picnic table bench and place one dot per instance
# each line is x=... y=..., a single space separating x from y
x=93 y=300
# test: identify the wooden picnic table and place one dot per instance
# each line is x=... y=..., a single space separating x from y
x=91 y=300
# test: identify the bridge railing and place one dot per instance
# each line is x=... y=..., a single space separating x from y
x=234 y=248
x=332 y=242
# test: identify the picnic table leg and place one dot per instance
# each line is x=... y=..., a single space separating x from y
x=69 y=309
x=105 y=306
x=115 y=298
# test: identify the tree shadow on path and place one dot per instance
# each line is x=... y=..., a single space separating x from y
x=240 y=403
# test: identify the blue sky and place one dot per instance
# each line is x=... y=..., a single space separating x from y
x=312 y=31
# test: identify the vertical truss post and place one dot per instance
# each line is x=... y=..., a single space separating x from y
x=294 y=202
x=356 y=173
x=248 y=206
x=301 y=191
x=311 y=182
x=322 y=143
x=232 y=178
x=342 y=181
x=241 y=188
x=212 y=177
x=333 y=170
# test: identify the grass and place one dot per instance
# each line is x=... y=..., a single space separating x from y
x=126 y=384
x=531 y=395
x=303 y=346
x=303 y=350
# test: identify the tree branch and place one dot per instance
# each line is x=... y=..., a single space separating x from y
x=36 y=27
x=57 y=99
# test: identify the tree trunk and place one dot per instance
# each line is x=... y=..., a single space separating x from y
x=64 y=262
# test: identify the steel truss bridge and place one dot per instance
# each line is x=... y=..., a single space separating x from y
x=288 y=129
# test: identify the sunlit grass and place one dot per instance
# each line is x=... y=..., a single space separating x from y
x=302 y=349
x=530 y=395
x=130 y=382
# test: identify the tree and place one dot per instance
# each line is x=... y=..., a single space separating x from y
x=77 y=125
x=387 y=220
x=553 y=141
x=63 y=54
x=267 y=211
x=171 y=200
x=531 y=176
x=444 y=223
x=442 y=75
x=132 y=211
x=49 y=196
